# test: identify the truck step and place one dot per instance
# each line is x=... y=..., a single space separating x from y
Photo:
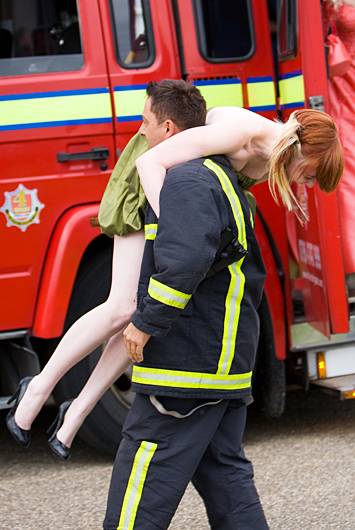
x=342 y=386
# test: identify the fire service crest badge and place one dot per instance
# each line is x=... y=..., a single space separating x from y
x=22 y=207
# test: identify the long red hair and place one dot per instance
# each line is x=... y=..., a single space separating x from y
x=314 y=135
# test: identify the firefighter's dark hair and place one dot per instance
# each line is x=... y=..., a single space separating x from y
x=179 y=101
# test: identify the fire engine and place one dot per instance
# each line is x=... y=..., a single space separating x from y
x=72 y=88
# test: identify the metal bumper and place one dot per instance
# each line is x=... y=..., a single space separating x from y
x=305 y=337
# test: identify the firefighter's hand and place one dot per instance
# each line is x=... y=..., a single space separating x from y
x=135 y=340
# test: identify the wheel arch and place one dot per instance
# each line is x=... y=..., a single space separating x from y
x=74 y=242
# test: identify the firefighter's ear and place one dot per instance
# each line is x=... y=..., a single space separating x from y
x=170 y=128
x=168 y=125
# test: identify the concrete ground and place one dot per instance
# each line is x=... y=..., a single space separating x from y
x=304 y=469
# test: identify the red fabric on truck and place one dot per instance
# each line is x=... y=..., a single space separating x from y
x=342 y=108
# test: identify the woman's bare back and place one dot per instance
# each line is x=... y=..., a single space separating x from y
x=251 y=159
x=246 y=138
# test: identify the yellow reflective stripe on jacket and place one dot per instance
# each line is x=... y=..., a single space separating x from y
x=231 y=318
x=150 y=231
x=232 y=197
x=167 y=295
x=237 y=282
x=221 y=92
x=261 y=93
x=181 y=379
x=291 y=88
x=55 y=108
x=135 y=485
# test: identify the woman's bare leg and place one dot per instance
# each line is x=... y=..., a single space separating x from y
x=90 y=330
x=112 y=363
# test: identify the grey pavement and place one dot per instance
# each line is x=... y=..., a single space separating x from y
x=304 y=469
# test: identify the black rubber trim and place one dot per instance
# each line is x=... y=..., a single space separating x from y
x=274 y=250
x=177 y=21
x=279 y=267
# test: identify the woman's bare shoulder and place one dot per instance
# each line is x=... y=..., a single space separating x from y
x=217 y=114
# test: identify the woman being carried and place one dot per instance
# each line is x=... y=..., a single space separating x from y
x=304 y=150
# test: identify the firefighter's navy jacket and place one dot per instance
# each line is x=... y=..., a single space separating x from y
x=204 y=330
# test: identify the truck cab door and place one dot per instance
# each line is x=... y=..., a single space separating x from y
x=56 y=135
x=140 y=46
x=225 y=49
x=303 y=83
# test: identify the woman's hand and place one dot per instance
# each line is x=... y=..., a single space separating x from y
x=135 y=340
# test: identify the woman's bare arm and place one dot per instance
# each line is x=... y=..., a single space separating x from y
x=226 y=136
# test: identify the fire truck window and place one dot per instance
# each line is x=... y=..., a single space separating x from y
x=133 y=32
x=225 y=29
x=287 y=29
x=43 y=36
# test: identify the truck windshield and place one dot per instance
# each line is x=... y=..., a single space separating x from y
x=43 y=37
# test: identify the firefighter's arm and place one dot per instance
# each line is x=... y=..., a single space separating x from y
x=187 y=240
x=223 y=135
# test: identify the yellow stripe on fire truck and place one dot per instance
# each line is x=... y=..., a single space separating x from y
x=291 y=87
x=55 y=108
x=261 y=93
x=129 y=100
x=221 y=92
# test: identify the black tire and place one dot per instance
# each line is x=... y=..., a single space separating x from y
x=270 y=373
x=101 y=430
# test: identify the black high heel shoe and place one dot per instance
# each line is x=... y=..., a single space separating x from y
x=21 y=436
x=56 y=445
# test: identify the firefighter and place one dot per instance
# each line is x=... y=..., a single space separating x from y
x=199 y=330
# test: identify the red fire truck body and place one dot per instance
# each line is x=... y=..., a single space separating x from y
x=72 y=89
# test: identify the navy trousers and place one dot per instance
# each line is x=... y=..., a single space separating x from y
x=160 y=454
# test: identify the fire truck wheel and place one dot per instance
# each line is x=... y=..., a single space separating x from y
x=270 y=376
x=102 y=428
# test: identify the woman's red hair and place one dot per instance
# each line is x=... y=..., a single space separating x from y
x=314 y=135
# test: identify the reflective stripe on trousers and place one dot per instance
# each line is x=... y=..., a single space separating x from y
x=135 y=485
